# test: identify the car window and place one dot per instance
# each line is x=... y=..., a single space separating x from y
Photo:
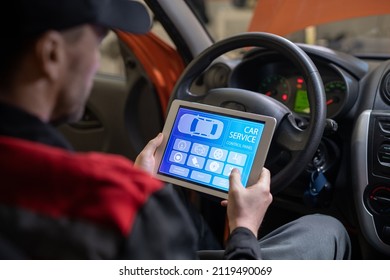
x=360 y=36
x=368 y=35
x=111 y=62
x=228 y=17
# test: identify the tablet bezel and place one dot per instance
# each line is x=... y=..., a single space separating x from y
x=259 y=159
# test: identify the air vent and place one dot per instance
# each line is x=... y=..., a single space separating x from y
x=385 y=88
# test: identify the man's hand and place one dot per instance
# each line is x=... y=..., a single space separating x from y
x=246 y=207
x=145 y=160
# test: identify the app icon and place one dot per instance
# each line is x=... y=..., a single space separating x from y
x=200 y=149
x=214 y=166
x=178 y=157
x=200 y=126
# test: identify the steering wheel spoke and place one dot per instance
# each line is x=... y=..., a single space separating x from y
x=290 y=136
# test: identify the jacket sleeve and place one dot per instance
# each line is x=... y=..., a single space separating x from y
x=162 y=229
x=242 y=244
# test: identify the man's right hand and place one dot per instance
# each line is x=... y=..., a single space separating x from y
x=246 y=207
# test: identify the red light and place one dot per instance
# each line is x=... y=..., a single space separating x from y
x=284 y=97
x=300 y=80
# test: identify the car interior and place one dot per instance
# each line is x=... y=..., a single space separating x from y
x=331 y=149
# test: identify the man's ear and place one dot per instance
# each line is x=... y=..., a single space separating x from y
x=50 y=54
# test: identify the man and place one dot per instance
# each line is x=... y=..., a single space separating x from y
x=60 y=204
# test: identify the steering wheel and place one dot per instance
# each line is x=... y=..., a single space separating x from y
x=300 y=143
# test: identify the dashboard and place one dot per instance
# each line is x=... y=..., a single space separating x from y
x=275 y=76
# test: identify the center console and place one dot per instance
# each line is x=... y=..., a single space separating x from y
x=371 y=176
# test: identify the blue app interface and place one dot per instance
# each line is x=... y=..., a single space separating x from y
x=204 y=147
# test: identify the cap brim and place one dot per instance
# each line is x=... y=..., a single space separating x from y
x=126 y=15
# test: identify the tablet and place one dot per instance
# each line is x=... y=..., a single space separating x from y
x=203 y=143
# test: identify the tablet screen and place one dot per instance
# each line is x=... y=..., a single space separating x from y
x=204 y=146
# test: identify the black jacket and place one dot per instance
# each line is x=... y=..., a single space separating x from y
x=59 y=204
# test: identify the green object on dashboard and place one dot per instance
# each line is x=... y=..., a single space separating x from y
x=301 y=102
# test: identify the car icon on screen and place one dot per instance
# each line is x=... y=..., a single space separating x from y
x=200 y=126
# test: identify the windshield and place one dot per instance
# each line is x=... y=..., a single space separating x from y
x=342 y=26
x=357 y=27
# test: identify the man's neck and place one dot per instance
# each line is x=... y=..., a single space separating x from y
x=30 y=102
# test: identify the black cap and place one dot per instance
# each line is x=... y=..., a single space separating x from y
x=27 y=18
